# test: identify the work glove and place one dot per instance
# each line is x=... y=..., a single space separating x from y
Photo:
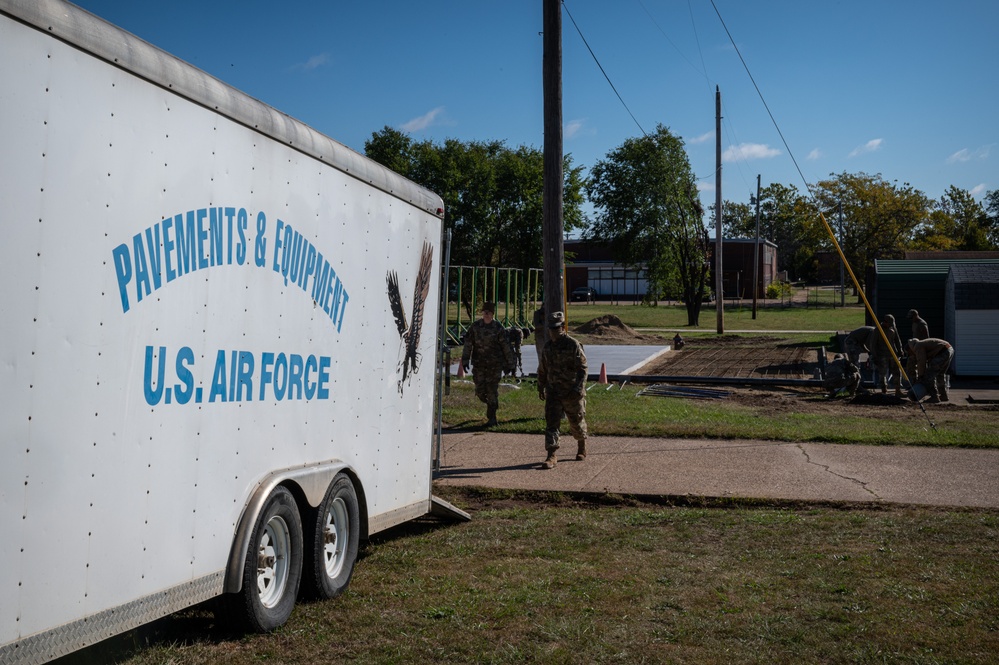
x=465 y=366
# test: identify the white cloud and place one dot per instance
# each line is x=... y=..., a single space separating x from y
x=814 y=154
x=747 y=151
x=705 y=186
x=978 y=190
x=965 y=155
x=703 y=138
x=314 y=62
x=572 y=128
x=422 y=122
x=871 y=146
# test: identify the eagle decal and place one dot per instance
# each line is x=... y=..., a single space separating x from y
x=410 y=333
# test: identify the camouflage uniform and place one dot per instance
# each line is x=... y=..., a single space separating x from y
x=841 y=373
x=488 y=349
x=859 y=341
x=881 y=356
x=562 y=385
x=516 y=337
x=929 y=360
x=919 y=328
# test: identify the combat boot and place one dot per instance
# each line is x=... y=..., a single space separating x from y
x=581 y=451
x=944 y=397
x=491 y=416
x=550 y=461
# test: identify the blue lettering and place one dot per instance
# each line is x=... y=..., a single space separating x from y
x=141 y=271
x=202 y=237
x=185 y=389
x=218 y=379
x=286 y=246
x=322 y=392
x=296 y=366
x=187 y=248
x=343 y=306
x=310 y=386
x=216 y=227
x=155 y=259
x=123 y=272
x=242 y=220
x=245 y=379
x=168 y=245
x=278 y=237
x=266 y=375
x=310 y=267
x=280 y=376
x=153 y=394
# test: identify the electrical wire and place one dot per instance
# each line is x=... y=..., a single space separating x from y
x=593 y=55
x=758 y=92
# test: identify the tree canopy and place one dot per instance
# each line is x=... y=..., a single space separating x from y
x=647 y=210
x=492 y=194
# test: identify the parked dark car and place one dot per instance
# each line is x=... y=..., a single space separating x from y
x=584 y=293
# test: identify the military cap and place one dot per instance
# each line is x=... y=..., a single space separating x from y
x=556 y=320
x=489 y=306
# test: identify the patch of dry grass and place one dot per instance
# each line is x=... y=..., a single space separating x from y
x=549 y=579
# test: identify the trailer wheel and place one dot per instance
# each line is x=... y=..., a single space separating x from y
x=273 y=568
x=330 y=560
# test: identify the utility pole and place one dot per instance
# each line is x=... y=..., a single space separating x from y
x=719 y=293
x=756 y=250
x=551 y=215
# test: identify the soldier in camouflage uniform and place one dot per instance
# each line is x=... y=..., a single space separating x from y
x=929 y=360
x=839 y=374
x=859 y=341
x=919 y=328
x=487 y=348
x=881 y=356
x=516 y=337
x=562 y=386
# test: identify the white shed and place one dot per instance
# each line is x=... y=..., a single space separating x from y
x=971 y=318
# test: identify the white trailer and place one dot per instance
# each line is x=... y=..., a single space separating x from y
x=218 y=342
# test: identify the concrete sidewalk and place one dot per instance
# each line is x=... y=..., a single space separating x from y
x=744 y=469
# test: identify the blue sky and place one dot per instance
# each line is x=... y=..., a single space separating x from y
x=905 y=88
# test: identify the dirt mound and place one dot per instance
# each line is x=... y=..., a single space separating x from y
x=609 y=329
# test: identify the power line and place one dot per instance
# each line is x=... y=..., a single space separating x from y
x=593 y=55
x=767 y=107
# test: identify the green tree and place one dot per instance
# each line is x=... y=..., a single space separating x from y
x=957 y=222
x=786 y=219
x=992 y=216
x=738 y=219
x=647 y=210
x=492 y=194
x=879 y=217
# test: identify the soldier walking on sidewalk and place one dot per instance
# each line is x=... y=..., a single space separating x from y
x=562 y=386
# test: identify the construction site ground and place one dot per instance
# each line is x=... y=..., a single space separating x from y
x=727 y=359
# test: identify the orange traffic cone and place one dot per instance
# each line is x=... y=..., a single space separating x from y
x=461 y=370
x=603 y=373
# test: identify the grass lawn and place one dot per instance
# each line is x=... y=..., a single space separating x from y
x=543 y=578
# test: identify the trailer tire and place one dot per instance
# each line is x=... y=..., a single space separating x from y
x=272 y=571
x=335 y=536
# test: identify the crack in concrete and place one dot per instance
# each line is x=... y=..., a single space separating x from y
x=825 y=467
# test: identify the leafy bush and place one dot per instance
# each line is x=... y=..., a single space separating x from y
x=779 y=290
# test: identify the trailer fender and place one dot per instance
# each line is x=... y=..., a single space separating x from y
x=308 y=482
